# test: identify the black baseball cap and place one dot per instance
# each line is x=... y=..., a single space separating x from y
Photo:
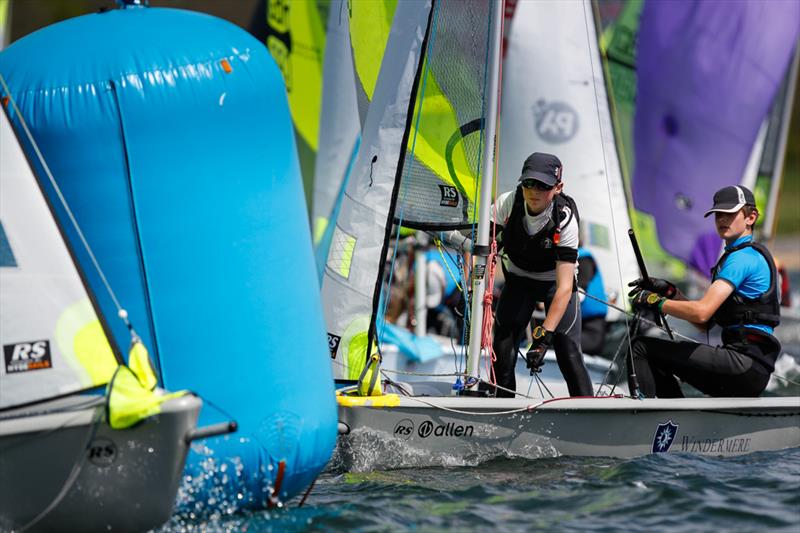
x=542 y=167
x=730 y=199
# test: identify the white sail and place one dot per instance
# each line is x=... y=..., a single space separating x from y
x=554 y=100
x=339 y=127
x=340 y=132
x=51 y=337
x=351 y=271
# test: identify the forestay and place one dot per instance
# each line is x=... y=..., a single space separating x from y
x=53 y=341
x=554 y=100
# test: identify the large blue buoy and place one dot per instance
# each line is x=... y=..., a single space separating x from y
x=169 y=135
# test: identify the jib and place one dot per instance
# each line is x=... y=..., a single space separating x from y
x=29 y=350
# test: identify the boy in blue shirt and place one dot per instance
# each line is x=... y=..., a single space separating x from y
x=742 y=299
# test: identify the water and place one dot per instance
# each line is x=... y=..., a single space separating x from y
x=653 y=493
x=656 y=492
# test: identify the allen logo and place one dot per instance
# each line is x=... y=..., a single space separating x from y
x=449 y=196
x=404 y=429
x=427 y=428
x=555 y=122
x=26 y=356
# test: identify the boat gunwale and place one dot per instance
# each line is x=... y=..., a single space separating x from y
x=743 y=406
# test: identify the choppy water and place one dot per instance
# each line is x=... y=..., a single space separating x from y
x=661 y=492
x=657 y=492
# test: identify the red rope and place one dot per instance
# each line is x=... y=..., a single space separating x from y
x=274 y=496
x=488 y=317
x=491 y=261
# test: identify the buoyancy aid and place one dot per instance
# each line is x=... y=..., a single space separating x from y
x=537 y=253
x=738 y=310
x=592 y=305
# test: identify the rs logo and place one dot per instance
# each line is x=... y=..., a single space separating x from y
x=333 y=344
x=449 y=196
x=26 y=356
x=102 y=452
x=404 y=429
x=25 y=351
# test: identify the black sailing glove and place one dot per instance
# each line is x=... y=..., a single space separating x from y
x=659 y=286
x=542 y=340
x=645 y=300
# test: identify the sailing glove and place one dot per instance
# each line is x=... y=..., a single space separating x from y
x=659 y=286
x=642 y=299
x=542 y=340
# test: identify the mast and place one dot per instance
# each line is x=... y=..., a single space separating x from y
x=769 y=226
x=485 y=199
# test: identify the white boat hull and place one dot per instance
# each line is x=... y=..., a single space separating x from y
x=440 y=431
x=96 y=478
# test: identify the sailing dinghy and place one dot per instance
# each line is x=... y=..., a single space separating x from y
x=433 y=75
x=86 y=443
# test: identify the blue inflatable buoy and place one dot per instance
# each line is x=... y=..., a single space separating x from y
x=169 y=134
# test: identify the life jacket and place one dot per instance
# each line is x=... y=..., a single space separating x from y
x=536 y=253
x=593 y=307
x=738 y=310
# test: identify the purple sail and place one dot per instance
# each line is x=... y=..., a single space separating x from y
x=707 y=73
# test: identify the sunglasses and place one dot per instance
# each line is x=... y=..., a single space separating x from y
x=536 y=184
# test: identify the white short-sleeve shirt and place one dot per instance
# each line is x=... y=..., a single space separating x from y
x=533 y=224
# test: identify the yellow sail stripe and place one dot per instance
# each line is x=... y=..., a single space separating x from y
x=437 y=124
x=370 y=23
x=83 y=344
x=301 y=64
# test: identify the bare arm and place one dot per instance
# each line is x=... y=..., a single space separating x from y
x=565 y=272
x=700 y=311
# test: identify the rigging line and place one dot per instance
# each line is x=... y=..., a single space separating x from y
x=479 y=413
x=612 y=365
x=605 y=161
x=78 y=411
x=403 y=179
x=447 y=266
x=487 y=340
x=137 y=237
x=629 y=314
x=76 y=469
x=540 y=380
x=784 y=378
x=409 y=373
x=534 y=376
x=61 y=198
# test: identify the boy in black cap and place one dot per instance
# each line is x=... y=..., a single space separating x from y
x=539 y=228
x=742 y=298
